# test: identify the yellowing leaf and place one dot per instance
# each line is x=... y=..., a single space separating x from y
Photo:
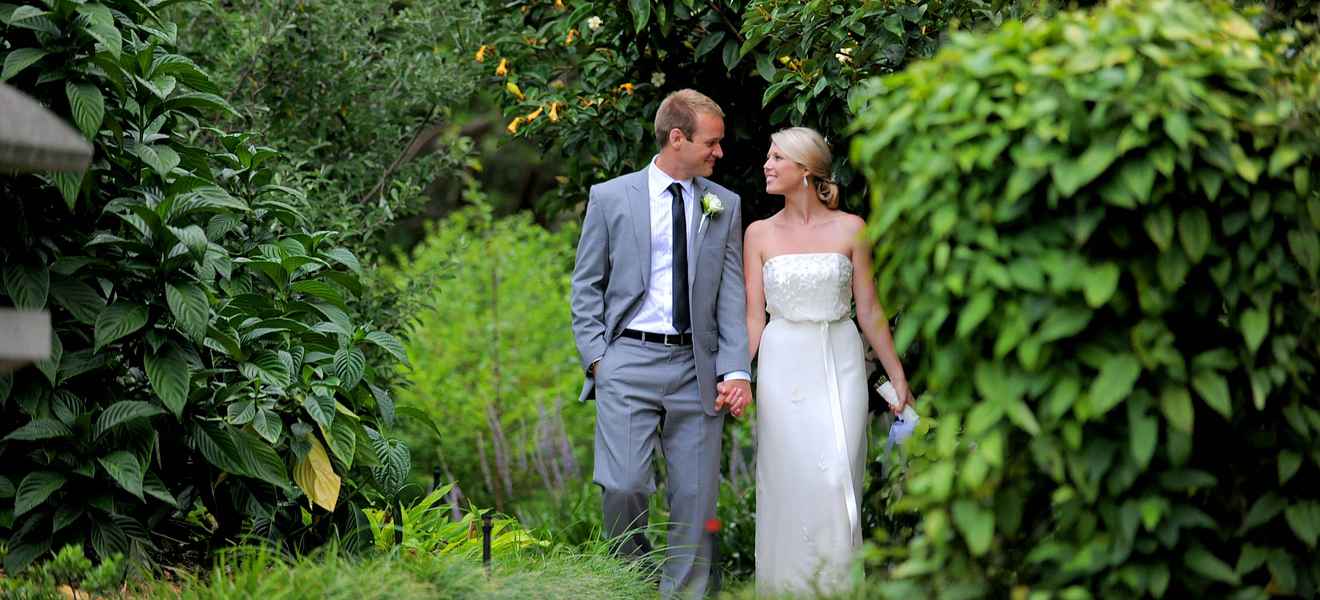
x=317 y=478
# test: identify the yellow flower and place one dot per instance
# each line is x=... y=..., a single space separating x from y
x=559 y=5
x=554 y=112
x=626 y=88
x=503 y=68
x=482 y=52
x=513 y=89
x=531 y=116
x=572 y=35
x=514 y=125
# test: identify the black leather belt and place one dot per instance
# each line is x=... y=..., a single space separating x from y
x=668 y=339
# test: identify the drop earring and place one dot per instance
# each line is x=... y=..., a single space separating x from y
x=804 y=181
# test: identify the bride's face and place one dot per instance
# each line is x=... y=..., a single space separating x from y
x=782 y=175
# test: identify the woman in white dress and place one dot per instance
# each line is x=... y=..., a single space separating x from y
x=805 y=265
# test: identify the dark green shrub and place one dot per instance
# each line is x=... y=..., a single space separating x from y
x=1104 y=231
x=202 y=351
x=583 y=79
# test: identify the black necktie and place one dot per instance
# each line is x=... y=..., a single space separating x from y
x=682 y=316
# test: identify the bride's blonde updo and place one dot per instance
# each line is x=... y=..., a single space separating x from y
x=808 y=149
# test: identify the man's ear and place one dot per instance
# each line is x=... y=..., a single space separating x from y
x=676 y=136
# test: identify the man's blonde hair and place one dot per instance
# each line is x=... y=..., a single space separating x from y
x=679 y=111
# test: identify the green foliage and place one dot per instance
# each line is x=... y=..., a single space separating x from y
x=590 y=93
x=358 y=96
x=1105 y=228
x=495 y=355
x=427 y=527
x=69 y=572
x=561 y=574
x=196 y=317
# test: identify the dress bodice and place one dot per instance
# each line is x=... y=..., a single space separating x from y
x=814 y=286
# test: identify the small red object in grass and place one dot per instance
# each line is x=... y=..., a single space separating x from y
x=713 y=525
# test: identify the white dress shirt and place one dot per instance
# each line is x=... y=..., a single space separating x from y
x=656 y=314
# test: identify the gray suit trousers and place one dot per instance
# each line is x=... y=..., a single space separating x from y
x=647 y=392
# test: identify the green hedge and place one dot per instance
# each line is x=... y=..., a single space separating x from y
x=203 y=356
x=1104 y=230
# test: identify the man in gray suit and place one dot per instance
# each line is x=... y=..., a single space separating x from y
x=659 y=316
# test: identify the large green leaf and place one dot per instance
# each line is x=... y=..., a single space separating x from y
x=976 y=523
x=191 y=308
x=124 y=411
x=1289 y=463
x=20 y=59
x=1194 y=233
x=40 y=429
x=641 y=13
x=193 y=238
x=1304 y=519
x=36 y=487
x=1262 y=510
x=27 y=285
x=80 y=299
x=321 y=409
x=344 y=257
x=266 y=367
x=349 y=366
x=1159 y=226
x=1099 y=284
x=320 y=290
x=118 y=320
x=1071 y=175
x=169 y=375
x=88 y=106
x=389 y=344
x=1176 y=404
x=1114 y=382
x=259 y=459
x=1143 y=435
x=100 y=24
x=50 y=367
x=215 y=444
x=125 y=469
x=154 y=487
x=343 y=440
x=1208 y=565
x=1213 y=389
x=268 y=425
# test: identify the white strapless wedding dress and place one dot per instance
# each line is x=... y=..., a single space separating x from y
x=810 y=427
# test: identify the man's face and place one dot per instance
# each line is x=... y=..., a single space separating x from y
x=697 y=156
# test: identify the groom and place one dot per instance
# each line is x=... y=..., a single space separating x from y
x=659 y=316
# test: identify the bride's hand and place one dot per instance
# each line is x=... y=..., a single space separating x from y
x=905 y=399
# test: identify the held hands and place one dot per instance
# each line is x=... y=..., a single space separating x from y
x=734 y=394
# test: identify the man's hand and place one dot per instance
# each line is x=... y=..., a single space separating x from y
x=735 y=395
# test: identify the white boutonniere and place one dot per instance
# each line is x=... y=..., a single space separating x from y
x=711 y=207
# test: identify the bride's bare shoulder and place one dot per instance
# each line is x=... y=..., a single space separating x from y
x=850 y=223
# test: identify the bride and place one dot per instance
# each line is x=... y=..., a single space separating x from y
x=806 y=265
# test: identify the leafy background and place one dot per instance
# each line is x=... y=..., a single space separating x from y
x=276 y=313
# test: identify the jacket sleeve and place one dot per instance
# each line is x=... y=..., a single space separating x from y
x=591 y=273
x=731 y=305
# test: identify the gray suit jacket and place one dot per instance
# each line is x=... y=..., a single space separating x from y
x=613 y=271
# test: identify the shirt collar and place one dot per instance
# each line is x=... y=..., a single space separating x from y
x=659 y=181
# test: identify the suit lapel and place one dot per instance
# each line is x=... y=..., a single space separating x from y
x=694 y=251
x=639 y=208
